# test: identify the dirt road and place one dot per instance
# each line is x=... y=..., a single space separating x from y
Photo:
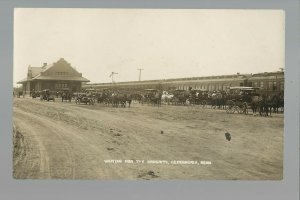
x=55 y=140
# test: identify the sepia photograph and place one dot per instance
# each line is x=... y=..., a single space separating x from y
x=148 y=94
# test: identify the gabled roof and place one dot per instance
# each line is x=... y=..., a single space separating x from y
x=35 y=70
x=36 y=74
x=65 y=78
x=45 y=68
x=23 y=80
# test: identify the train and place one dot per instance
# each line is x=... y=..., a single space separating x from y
x=267 y=82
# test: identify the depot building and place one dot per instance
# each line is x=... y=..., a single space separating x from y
x=55 y=77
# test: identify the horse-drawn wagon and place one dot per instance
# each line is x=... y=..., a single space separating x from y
x=83 y=98
x=35 y=94
x=199 y=97
x=240 y=99
x=46 y=95
x=152 y=96
x=180 y=97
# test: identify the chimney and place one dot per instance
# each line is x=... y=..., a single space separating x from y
x=44 y=65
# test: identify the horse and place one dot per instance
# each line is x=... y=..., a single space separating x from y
x=255 y=104
x=114 y=100
x=216 y=99
x=156 y=99
x=180 y=100
x=276 y=103
x=66 y=96
x=222 y=100
x=21 y=93
x=264 y=106
x=166 y=97
x=128 y=99
x=281 y=102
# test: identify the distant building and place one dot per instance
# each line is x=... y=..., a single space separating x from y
x=55 y=77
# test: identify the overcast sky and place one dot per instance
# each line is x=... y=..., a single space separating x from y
x=165 y=43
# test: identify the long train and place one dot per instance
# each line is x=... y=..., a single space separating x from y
x=268 y=82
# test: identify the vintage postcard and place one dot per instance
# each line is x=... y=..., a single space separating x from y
x=148 y=94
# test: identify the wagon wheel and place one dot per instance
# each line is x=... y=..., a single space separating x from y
x=228 y=109
x=230 y=106
x=239 y=109
x=245 y=108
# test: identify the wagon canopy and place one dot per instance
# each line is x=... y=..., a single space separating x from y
x=79 y=93
x=90 y=89
x=200 y=90
x=150 y=90
x=244 y=88
x=178 y=90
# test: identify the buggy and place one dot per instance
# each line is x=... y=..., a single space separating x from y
x=239 y=99
x=83 y=98
x=152 y=96
x=35 y=94
x=46 y=95
x=180 y=97
x=199 y=97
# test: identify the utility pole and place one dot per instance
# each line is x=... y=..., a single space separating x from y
x=112 y=76
x=281 y=69
x=140 y=73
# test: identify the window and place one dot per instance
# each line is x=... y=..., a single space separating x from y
x=255 y=84
x=61 y=73
x=274 y=85
x=61 y=85
x=261 y=84
x=270 y=85
x=281 y=85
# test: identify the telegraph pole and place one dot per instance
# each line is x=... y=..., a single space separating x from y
x=112 y=76
x=140 y=69
x=281 y=69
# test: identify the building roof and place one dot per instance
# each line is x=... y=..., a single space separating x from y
x=64 y=78
x=35 y=70
x=23 y=80
x=37 y=73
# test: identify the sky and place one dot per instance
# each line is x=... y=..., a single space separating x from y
x=165 y=43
